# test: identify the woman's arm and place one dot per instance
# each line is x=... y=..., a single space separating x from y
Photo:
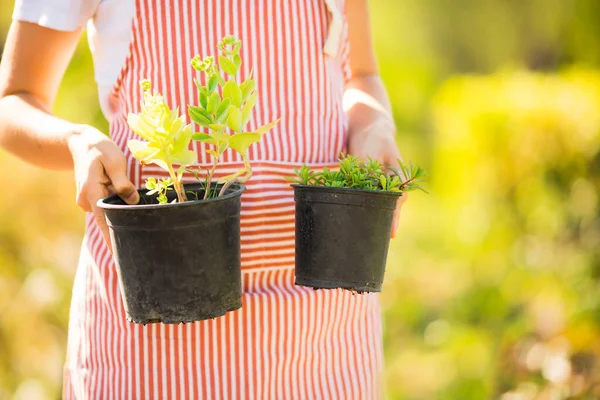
x=371 y=130
x=32 y=67
x=33 y=64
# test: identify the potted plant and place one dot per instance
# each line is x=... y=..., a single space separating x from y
x=344 y=222
x=177 y=252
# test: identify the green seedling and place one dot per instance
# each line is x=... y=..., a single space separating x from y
x=166 y=141
x=160 y=187
x=224 y=109
x=353 y=173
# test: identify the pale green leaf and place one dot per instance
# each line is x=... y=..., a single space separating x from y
x=248 y=106
x=237 y=61
x=240 y=142
x=214 y=101
x=212 y=153
x=212 y=83
x=227 y=178
x=202 y=137
x=184 y=158
x=203 y=98
x=234 y=121
x=267 y=127
x=223 y=111
x=141 y=126
x=142 y=151
x=247 y=88
x=198 y=117
x=227 y=65
x=232 y=91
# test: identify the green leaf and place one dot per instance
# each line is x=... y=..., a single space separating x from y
x=203 y=97
x=234 y=121
x=247 y=88
x=215 y=127
x=237 y=46
x=198 y=117
x=267 y=127
x=223 y=111
x=212 y=83
x=227 y=178
x=214 y=101
x=142 y=151
x=222 y=147
x=151 y=183
x=202 y=137
x=198 y=84
x=227 y=65
x=354 y=173
x=247 y=108
x=203 y=113
x=240 y=142
x=232 y=91
x=237 y=61
x=212 y=153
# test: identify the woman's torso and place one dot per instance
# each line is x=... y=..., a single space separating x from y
x=286 y=341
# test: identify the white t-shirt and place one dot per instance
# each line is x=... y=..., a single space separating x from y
x=109 y=24
x=109 y=32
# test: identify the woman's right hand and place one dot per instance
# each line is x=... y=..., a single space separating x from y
x=100 y=169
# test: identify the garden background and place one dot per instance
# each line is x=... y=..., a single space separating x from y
x=493 y=287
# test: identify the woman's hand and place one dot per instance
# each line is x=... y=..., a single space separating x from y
x=100 y=169
x=376 y=140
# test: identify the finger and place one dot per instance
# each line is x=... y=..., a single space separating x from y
x=94 y=194
x=392 y=156
x=101 y=221
x=82 y=201
x=121 y=184
x=111 y=190
x=396 y=220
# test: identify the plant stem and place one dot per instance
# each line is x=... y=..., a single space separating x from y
x=239 y=179
x=210 y=177
x=403 y=185
x=181 y=197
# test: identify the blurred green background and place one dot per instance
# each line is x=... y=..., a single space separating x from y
x=492 y=289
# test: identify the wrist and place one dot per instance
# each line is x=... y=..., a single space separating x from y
x=83 y=137
x=371 y=124
x=367 y=106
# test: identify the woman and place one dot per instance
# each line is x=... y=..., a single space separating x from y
x=315 y=69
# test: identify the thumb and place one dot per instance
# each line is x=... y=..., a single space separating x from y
x=396 y=220
x=124 y=188
x=115 y=167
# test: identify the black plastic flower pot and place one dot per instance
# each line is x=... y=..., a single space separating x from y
x=177 y=262
x=342 y=237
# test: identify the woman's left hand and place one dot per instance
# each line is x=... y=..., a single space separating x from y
x=377 y=141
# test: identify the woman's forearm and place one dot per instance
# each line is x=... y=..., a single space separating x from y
x=33 y=134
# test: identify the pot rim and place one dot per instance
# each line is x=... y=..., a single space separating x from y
x=106 y=206
x=347 y=190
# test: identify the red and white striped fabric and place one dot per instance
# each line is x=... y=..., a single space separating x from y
x=287 y=342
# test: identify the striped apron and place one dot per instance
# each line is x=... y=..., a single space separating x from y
x=287 y=342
